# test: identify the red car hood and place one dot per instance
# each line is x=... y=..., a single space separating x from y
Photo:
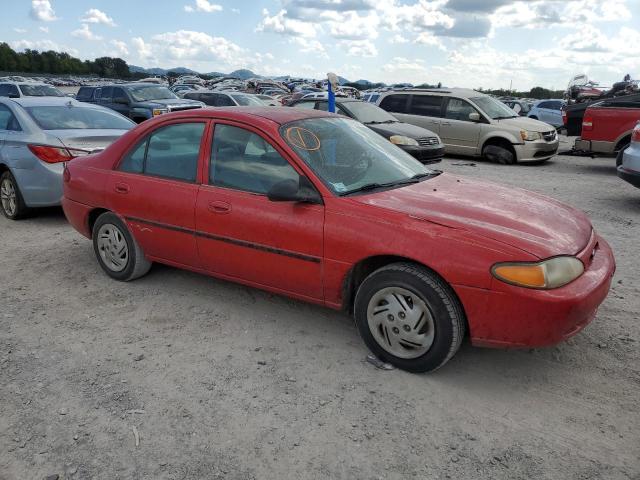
x=531 y=222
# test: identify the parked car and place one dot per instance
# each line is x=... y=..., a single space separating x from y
x=36 y=136
x=520 y=107
x=607 y=125
x=138 y=101
x=225 y=99
x=472 y=123
x=419 y=142
x=628 y=161
x=268 y=100
x=572 y=115
x=319 y=207
x=28 y=89
x=548 y=111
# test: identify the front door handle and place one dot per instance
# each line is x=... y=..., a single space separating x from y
x=122 y=188
x=445 y=123
x=219 y=207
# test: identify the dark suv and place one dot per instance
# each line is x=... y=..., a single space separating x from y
x=138 y=101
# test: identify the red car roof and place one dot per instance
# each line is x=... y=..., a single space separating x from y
x=279 y=115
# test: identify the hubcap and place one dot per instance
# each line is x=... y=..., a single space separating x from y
x=8 y=197
x=401 y=322
x=112 y=247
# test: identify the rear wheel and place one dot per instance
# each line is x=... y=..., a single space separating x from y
x=11 y=201
x=409 y=317
x=117 y=251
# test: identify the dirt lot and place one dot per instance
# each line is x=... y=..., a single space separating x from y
x=222 y=381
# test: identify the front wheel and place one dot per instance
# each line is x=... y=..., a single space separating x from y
x=409 y=317
x=117 y=251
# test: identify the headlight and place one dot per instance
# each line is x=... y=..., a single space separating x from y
x=402 y=140
x=552 y=273
x=159 y=111
x=530 y=136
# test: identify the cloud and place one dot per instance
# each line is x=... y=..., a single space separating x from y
x=142 y=49
x=120 y=48
x=282 y=24
x=483 y=6
x=203 y=6
x=44 y=29
x=85 y=33
x=467 y=26
x=397 y=39
x=42 y=45
x=94 y=15
x=360 y=48
x=20 y=30
x=41 y=10
x=401 y=69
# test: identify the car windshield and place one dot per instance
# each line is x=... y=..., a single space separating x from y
x=40 y=91
x=247 y=100
x=70 y=118
x=349 y=157
x=151 y=92
x=493 y=108
x=369 y=113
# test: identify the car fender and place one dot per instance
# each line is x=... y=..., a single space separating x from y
x=503 y=135
x=623 y=135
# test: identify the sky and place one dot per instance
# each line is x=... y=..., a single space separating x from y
x=463 y=43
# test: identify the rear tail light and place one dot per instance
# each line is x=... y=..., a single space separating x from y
x=587 y=122
x=52 y=154
x=564 y=117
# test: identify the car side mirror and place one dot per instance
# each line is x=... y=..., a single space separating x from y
x=289 y=190
x=474 y=116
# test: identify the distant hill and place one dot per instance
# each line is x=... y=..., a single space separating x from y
x=242 y=74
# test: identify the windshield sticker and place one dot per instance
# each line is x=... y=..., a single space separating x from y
x=340 y=187
x=302 y=138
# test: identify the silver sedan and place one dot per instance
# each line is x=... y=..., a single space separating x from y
x=629 y=160
x=37 y=136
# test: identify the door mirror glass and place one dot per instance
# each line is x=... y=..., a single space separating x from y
x=291 y=191
x=474 y=116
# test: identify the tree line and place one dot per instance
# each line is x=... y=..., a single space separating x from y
x=51 y=62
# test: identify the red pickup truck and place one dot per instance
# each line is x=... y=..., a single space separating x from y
x=607 y=125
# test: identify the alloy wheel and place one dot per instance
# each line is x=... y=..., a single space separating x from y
x=8 y=197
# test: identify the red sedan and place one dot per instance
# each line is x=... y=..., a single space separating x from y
x=318 y=207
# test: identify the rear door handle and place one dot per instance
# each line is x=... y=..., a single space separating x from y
x=445 y=123
x=122 y=188
x=219 y=207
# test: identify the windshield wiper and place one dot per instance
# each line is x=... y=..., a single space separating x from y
x=378 y=123
x=504 y=117
x=407 y=181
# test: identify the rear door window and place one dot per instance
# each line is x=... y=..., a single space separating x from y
x=169 y=152
x=426 y=105
x=395 y=103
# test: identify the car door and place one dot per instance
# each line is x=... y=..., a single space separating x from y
x=245 y=236
x=120 y=101
x=458 y=132
x=155 y=186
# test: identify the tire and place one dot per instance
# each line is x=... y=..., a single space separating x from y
x=405 y=302
x=117 y=251
x=11 y=201
x=499 y=154
x=619 y=156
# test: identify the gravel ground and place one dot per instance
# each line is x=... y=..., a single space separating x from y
x=181 y=376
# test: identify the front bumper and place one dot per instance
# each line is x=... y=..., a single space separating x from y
x=629 y=176
x=537 y=150
x=425 y=154
x=520 y=317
